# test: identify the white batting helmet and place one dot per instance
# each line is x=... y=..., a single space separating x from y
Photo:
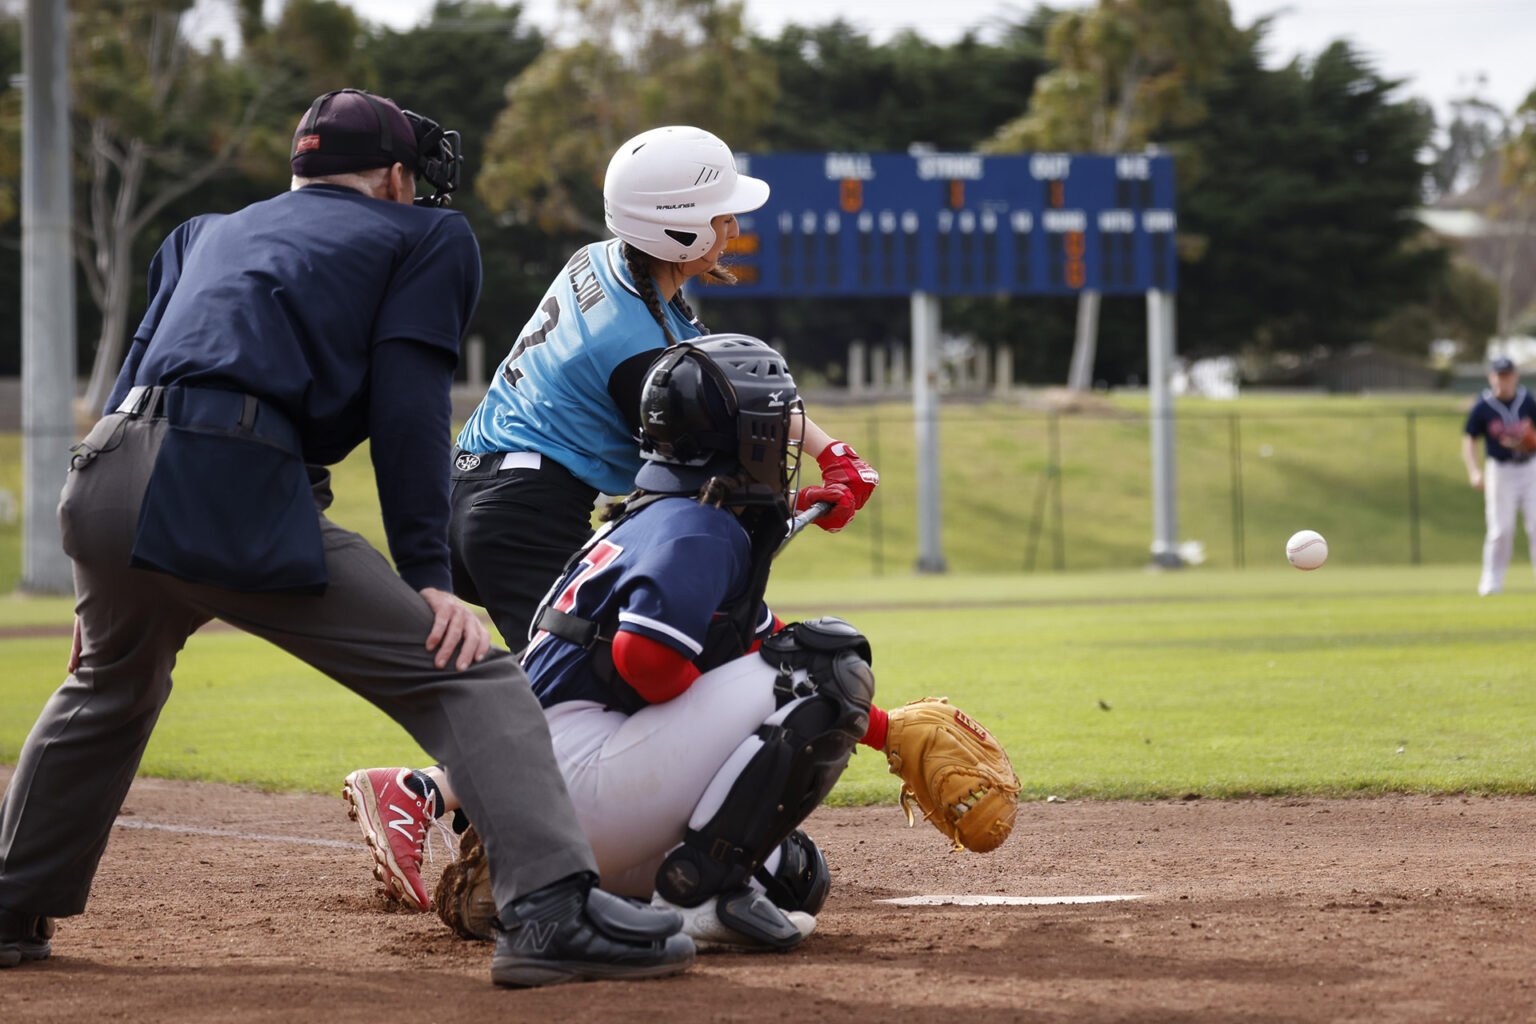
x=664 y=186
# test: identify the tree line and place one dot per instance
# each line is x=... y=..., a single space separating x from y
x=1297 y=184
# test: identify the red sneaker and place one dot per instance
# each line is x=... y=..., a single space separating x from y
x=394 y=822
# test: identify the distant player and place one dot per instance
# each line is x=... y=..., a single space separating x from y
x=692 y=757
x=1503 y=417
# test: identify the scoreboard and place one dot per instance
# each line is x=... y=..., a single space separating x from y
x=866 y=224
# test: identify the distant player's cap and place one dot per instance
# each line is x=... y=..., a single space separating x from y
x=351 y=130
x=1503 y=364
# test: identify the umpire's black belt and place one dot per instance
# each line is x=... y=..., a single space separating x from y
x=211 y=409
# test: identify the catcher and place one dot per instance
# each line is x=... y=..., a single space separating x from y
x=695 y=732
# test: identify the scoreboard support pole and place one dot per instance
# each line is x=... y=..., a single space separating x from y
x=925 y=407
x=1160 y=351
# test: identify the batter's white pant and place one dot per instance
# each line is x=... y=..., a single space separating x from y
x=1507 y=486
x=639 y=781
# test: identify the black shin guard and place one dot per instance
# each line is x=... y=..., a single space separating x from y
x=825 y=689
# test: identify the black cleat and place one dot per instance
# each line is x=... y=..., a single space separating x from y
x=24 y=937
x=572 y=931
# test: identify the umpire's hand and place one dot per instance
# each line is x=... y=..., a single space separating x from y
x=454 y=628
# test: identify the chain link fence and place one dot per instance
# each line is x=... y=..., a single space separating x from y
x=1026 y=491
x=1047 y=491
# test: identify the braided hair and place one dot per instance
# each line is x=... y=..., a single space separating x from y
x=640 y=268
x=718 y=489
x=715 y=491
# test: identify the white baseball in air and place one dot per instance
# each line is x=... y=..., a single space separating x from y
x=1306 y=549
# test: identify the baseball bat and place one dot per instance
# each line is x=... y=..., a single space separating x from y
x=803 y=520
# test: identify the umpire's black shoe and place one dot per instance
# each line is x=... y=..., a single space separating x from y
x=571 y=931
x=24 y=937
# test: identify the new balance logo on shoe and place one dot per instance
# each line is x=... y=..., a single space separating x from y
x=394 y=823
x=404 y=823
x=535 y=936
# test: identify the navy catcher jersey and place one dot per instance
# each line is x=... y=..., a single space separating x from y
x=1492 y=420
x=551 y=393
x=665 y=572
x=228 y=310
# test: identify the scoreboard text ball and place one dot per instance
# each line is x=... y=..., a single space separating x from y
x=849 y=224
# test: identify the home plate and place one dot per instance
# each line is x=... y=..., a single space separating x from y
x=1005 y=901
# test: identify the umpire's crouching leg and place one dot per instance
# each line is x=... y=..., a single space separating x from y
x=368 y=631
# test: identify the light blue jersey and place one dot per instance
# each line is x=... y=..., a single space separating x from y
x=550 y=395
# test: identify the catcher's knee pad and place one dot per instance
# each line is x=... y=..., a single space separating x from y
x=800 y=752
x=828 y=657
x=801 y=880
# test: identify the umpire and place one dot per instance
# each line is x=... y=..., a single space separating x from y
x=278 y=338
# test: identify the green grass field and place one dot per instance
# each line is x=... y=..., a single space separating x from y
x=1101 y=684
x=1368 y=676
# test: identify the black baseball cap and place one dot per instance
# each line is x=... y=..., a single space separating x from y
x=351 y=130
x=1503 y=364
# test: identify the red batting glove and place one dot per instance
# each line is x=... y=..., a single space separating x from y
x=839 y=497
x=840 y=464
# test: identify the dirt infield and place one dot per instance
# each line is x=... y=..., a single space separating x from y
x=220 y=904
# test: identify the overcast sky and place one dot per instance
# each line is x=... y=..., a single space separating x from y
x=1439 y=47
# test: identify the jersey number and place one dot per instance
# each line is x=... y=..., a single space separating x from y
x=552 y=317
x=599 y=556
x=603 y=552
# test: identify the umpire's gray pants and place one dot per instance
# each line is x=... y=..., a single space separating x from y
x=367 y=631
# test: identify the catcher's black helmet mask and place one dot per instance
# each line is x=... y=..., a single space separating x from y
x=716 y=405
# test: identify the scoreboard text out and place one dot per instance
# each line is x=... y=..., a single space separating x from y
x=845 y=224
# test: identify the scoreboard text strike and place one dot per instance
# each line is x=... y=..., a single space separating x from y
x=955 y=224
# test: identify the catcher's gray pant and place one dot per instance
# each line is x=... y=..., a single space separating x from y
x=367 y=631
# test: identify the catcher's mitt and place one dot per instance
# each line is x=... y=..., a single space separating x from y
x=463 y=895
x=959 y=776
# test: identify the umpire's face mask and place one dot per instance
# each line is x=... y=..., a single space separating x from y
x=440 y=159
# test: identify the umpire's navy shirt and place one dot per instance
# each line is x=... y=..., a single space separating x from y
x=1491 y=419
x=345 y=312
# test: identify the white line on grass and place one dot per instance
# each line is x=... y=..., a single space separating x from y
x=1004 y=901
x=254 y=837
